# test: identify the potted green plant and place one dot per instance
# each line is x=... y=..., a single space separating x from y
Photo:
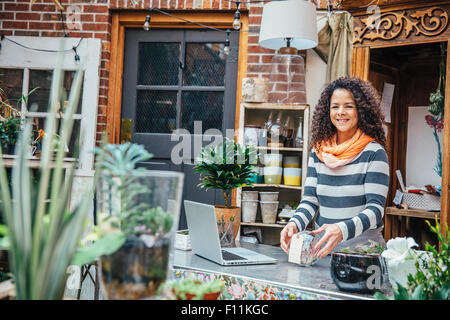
x=137 y=212
x=43 y=234
x=226 y=166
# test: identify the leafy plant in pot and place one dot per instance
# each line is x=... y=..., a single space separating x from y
x=138 y=210
x=226 y=166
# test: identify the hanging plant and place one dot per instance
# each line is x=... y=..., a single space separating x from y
x=436 y=109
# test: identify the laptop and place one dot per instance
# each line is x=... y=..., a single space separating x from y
x=204 y=235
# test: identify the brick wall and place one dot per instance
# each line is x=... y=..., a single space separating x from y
x=19 y=18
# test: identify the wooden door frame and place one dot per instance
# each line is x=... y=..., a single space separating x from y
x=361 y=67
x=122 y=20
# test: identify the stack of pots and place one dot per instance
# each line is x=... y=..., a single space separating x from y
x=272 y=168
x=269 y=206
x=292 y=172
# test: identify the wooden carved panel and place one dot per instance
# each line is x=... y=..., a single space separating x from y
x=402 y=25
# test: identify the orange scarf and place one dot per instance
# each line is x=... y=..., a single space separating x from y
x=336 y=155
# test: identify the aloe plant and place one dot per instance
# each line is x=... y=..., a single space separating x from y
x=43 y=235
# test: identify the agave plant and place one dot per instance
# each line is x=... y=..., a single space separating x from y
x=226 y=166
x=43 y=233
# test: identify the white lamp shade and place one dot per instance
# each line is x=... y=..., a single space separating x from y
x=294 y=19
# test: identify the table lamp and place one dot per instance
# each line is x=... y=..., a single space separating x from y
x=288 y=26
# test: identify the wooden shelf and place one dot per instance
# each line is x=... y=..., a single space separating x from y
x=280 y=149
x=283 y=186
x=34 y=162
x=275 y=106
x=417 y=213
x=260 y=224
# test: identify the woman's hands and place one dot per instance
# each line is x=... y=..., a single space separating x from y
x=286 y=235
x=332 y=236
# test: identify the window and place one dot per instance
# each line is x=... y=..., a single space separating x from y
x=23 y=70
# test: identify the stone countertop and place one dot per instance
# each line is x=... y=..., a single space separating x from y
x=314 y=279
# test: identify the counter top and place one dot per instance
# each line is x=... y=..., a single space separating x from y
x=314 y=279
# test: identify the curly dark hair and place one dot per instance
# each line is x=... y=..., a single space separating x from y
x=367 y=99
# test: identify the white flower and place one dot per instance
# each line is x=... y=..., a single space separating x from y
x=400 y=259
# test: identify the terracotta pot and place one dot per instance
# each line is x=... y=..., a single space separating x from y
x=226 y=213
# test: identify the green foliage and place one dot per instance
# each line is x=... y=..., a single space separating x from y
x=372 y=247
x=432 y=279
x=117 y=163
x=9 y=131
x=226 y=166
x=433 y=275
x=198 y=288
x=43 y=235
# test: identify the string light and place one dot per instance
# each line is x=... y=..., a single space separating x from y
x=226 y=48
x=74 y=48
x=237 y=18
x=147 y=20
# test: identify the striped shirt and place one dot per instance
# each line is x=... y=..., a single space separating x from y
x=353 y=196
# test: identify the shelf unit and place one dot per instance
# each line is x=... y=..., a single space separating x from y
x=257 y=114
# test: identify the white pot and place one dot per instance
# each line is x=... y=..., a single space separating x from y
x=269 y=211
x=269 y=196
x=272 y=175
x=291 y=162
x=250 y=195
x=273 y=159
x=249 y=208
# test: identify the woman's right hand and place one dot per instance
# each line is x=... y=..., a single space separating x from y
x=286 y=235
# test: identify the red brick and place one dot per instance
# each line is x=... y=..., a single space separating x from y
x=26 y=33
x=87 y=17
x=252 y=75
x=52 y=34
x=102 y=101
x=253 y=39
x=101 y=119
x=258 y=49
x=106 y=55
x=266 y=58
x=103 y=92
x=95 y=26
x=253 y=59
x=41 y=25
x=80 y=34
x=16 y=6
x=103 y=36
x=254 y=20
x=260 y=68
x=15 y=25
x=7 y=32
x=6 y=15
x=50 y=17
x=189 y=4
x=256 y=10
x=28 y=16
x=101 y=18
x=95 y=8
x=42 y=7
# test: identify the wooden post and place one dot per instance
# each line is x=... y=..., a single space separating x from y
x=445 y=198
x=360 y=62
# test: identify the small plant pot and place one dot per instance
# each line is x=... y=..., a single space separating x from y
x=250 y=195
x=269 y=211
x=273 y=159
x=272 y=175
x=249 y=209
x=291 y=162
x=292 y=176
x=269 y=196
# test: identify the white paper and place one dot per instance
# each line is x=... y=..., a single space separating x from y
x=386 y=100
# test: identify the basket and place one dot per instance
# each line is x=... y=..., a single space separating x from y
x=422 y=201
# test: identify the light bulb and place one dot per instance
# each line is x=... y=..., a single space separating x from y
x=226 y=49
x=237 y=20
x=147 y=23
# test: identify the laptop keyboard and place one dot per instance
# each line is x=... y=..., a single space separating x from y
x=231 y=256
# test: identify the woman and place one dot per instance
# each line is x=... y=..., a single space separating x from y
x=348 y=169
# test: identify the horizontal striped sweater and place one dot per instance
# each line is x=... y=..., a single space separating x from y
x=353 y=196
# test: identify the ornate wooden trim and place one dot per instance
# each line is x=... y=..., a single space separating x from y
x=429 y=22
